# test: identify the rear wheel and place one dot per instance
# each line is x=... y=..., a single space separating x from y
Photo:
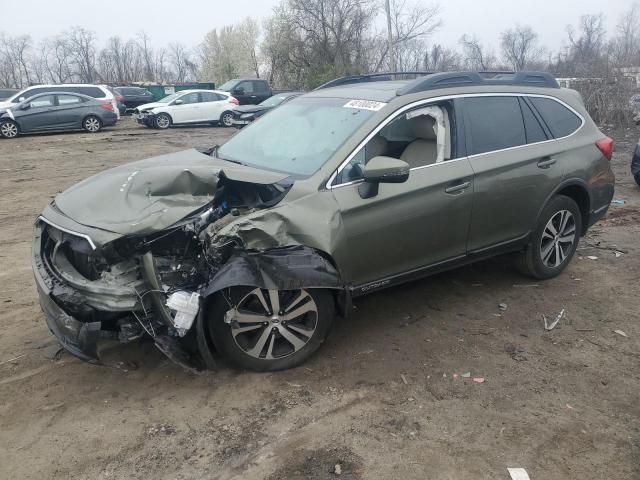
x=554 y=241
x=9 y=129
x=637 y=177
x=162 y=121
x=92 y=124
x=268 y=330
x=226 y=119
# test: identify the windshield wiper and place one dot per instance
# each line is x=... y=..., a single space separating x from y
x=213 y=152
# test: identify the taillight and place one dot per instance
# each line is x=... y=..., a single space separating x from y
x=605 y=145
x=106 y=106
x=234 y=100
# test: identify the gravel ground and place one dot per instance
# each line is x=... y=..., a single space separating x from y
x=386 y=397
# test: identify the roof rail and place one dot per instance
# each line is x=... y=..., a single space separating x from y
x=464 y=79
x=369 y=77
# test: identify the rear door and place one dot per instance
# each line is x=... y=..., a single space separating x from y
x=70 y=111
x=261 y=91
x=212 y=105
x=512 y=158
x=245 y=93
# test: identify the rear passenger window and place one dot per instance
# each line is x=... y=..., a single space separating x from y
x=560 y=120
x=496 y=123
x=69 y=100
x=534 y=130
x=94 y=92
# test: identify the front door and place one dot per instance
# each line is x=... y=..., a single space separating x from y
x=188 y=111
x=40 y=115
x=212 y=105
x=245 y=93
x=69 y=111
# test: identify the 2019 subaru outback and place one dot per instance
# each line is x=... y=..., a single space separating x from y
x=252 y=248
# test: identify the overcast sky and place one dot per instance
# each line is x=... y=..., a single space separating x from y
x=188 y=22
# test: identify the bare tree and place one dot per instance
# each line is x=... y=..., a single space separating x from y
x=476 y=55
x=441 y=59
x=181 y=62
x=82 y=50
x=520 y=47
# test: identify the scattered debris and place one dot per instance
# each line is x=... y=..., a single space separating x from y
x=518 y=474
x=466 y=375
x=592 y=257
x=48 y=408
x=516 y=353
x=337 y=469
x=503 y=306
x=585 y=329
x=569 y=406
x=13 y=359
x=525 y=285
x=554 y=323
x=620 y=332
x=618 y=253
x=456 y=376
x=617 y=201
x=404 y=379
x=161 y=430
x=365 y=352
x=478 y=379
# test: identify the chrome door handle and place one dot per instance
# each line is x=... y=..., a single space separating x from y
x=546 y=162
x=457 y=188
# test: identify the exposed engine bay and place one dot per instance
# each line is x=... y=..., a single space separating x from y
x=146 y=284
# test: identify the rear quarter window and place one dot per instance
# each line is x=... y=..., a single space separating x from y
x=94 y=92
x=560 y=120
x=496 y=123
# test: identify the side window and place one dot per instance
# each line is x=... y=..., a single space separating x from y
x=29 y=94
x=69 y=100
x=496 y=123
x=420 y=137
x=534 y=130
x=209 y=97
x=260 y=86
x=560 y=120
x=247 y=86
x=189 y=98
x=94 y=92
x=44 y=101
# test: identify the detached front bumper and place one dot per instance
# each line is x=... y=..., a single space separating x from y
x=147 y=119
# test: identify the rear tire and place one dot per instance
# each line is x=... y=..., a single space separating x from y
x=92 y=124
x=637 y=177
x=226 y=119
x=554 y=241
x=250 y=338
x=9 y=129
x=163 y=121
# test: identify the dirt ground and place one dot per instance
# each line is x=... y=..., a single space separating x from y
x=385 y=398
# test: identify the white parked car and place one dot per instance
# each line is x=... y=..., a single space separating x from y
x=100 y=92
x=188 y=106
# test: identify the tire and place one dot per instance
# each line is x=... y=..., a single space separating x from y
x=270 y=343
x=226 y=119
x=92 y=124
x=637 y=177
x=9 y=129
x=163 y=121
x=554 y=241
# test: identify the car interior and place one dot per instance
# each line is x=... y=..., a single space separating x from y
x=420 y=137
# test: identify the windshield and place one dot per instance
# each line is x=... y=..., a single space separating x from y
x=227 y=86
x=169 y=98
x=274 y=101
x=296 y=138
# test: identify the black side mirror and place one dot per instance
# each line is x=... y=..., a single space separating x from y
x=382 y=170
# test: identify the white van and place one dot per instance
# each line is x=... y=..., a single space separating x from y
x=101 y=92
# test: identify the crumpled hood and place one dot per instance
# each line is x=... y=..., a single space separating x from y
x=151 y=106
x=150 y=195
x=250 y=108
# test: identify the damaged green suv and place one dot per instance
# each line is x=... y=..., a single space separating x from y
x=251 y=249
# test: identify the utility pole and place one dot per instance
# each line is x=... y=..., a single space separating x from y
x=391 y=47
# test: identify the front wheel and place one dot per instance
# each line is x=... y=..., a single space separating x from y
x=92 y=124
x=163 y=121
x=9 y=129
x=554 y=241
x=268 y=330
x=226 y=119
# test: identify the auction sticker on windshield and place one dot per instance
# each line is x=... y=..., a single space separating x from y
x=365 y=105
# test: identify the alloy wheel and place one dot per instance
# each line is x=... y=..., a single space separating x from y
x=227 y=119
x=92 y=124
x=558 y=238
x=274 y=325
x=9 y=130
x=162 y=121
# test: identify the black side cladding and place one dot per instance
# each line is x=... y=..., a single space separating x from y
x=287 y=268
